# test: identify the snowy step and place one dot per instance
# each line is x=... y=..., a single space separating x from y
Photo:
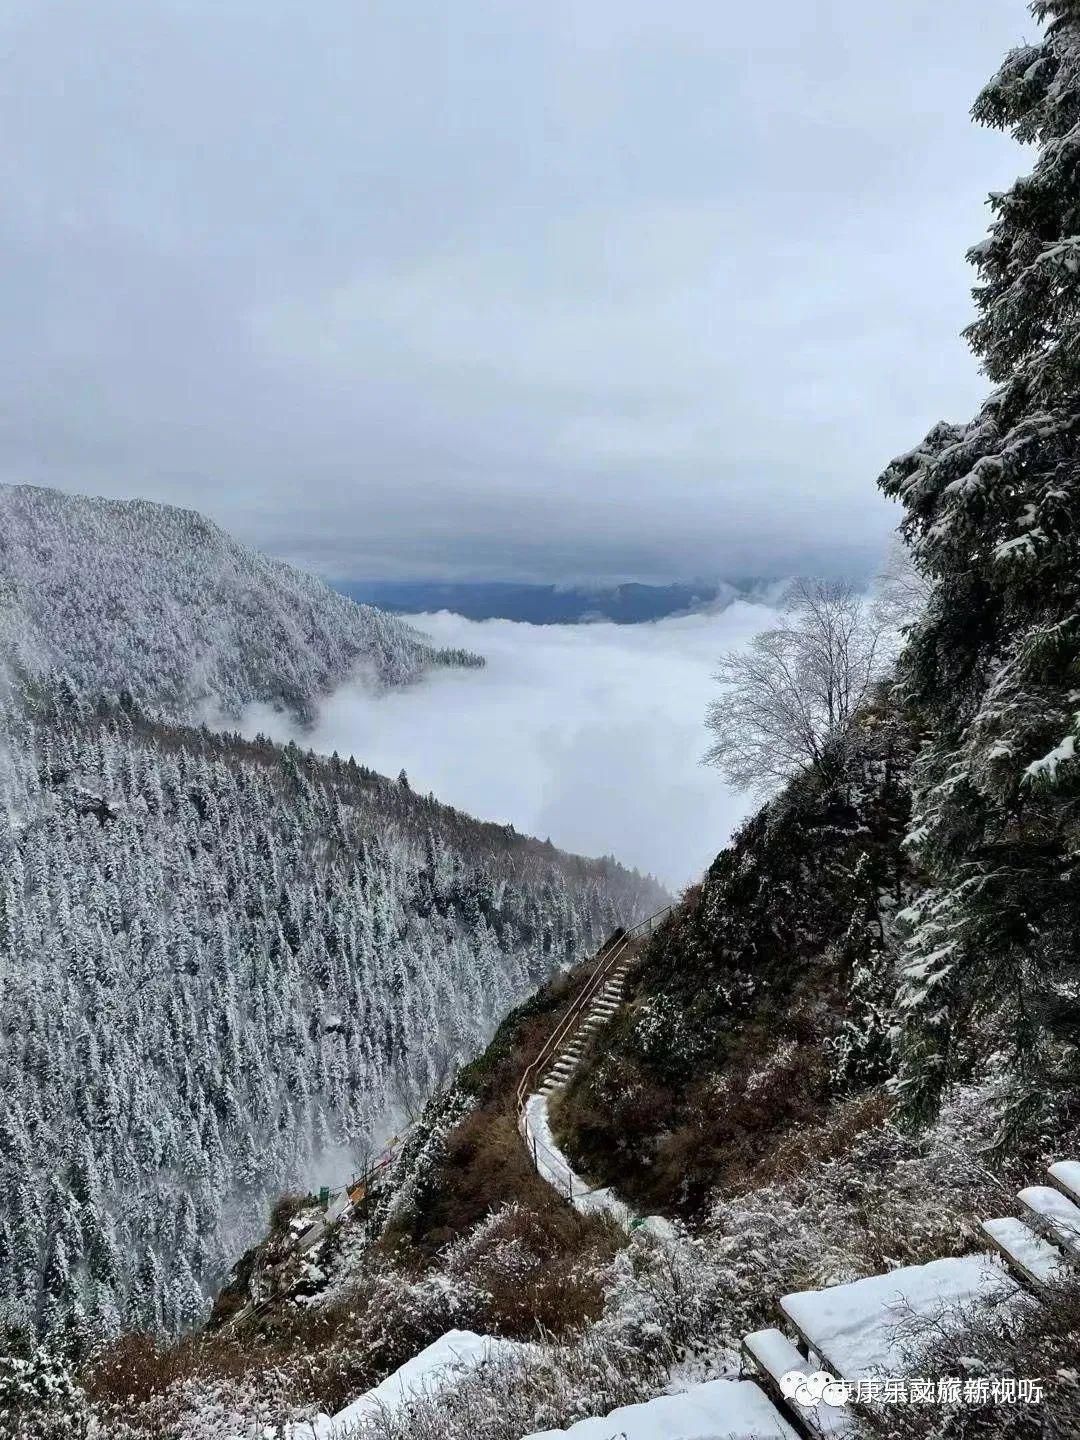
x=1055 y=1215
x=714 y=1410
x=773 y=1354
x=859 y=1329
x=1065 y=1174
x=1027 y=1254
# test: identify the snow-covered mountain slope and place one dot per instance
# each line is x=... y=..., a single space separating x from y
x=160 y=603
x=226 y=970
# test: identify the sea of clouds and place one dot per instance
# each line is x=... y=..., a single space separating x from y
x=590 y=734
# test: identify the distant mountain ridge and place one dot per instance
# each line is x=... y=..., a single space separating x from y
x=627 y=604
x=129 y=595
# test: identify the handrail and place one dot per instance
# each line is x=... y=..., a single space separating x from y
x=605 y=964
x=364 y=1183
x=581 y=1003
x=574 y=1011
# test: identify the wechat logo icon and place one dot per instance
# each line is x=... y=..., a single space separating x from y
x=817 y=1388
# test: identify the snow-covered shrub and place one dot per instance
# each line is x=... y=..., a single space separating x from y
x=885 y=1199
x=1027 y=1339
x=678 y=1297
x=514 y=1395
x=543 y=1270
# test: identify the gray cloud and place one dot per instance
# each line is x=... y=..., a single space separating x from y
x=617 y=290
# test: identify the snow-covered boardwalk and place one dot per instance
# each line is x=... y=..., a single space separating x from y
x=556 y=1169
x=867 y=1327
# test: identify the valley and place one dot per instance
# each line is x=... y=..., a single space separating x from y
x=580 y=1000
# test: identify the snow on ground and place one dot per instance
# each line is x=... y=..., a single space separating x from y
x=559 y=1173
x=716 y=1410
x=865 y=1327
x=443 y=1363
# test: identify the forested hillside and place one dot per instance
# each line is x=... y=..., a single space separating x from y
x=129 y=597
x=767 y=996
x=227 y=970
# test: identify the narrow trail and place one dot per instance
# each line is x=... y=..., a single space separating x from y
x=556 y=1169
x=558 y=1059
x=856 y=1331
x=340 y=1202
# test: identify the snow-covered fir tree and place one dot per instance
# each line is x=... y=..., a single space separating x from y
x=227 y=970
x=993 y=670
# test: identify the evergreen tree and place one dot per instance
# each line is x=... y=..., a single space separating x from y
x=862 y=1052
x=992 y=510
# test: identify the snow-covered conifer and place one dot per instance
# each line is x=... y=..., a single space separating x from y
x=992 y=670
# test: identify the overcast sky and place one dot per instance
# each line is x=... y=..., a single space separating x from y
x=581 y=289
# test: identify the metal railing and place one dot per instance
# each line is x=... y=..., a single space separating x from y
x=356 y=1191
x=361 y=1186
x=533 y=1075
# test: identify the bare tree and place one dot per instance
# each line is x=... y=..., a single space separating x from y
x=790 y=695
x=903 y=592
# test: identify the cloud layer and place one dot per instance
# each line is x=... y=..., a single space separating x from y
x=560 y=291
x=589 y=734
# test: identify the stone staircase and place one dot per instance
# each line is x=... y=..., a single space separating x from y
x=596 y=1013
x=848 y=1329
x=599 y=997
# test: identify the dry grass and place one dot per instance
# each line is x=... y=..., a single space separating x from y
x=521 y=1273
x=539 y=1270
